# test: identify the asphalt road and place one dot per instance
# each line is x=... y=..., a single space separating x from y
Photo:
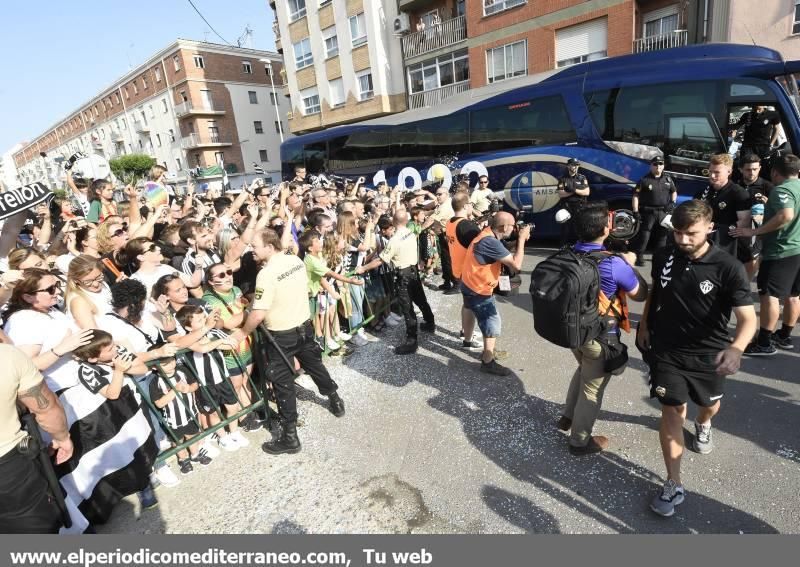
x=431 y=445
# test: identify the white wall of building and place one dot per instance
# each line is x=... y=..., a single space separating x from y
x=246 y=114
x=8 y=169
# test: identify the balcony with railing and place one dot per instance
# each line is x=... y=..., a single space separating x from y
x=196 y=141
x=188 y=108
x=437 y=36
x=677 y=38
x=436 y=96
x=140 y=127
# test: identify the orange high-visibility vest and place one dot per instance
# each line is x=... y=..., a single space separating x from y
x=457 y=251
x=480 y=278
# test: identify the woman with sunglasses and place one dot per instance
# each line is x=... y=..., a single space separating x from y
x=112 y=236
x=220 y=293
x=88 y=295
x=41 y=331
x=144 y=259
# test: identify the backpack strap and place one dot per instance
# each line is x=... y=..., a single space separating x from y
x=598 y=256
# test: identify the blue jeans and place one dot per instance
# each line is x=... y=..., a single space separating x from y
x=357 y=300
x=486 y=314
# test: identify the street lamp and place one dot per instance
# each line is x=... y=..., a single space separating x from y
x=268 y=65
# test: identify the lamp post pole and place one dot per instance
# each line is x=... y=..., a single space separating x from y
x=268 y=65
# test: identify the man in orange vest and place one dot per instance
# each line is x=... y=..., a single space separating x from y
x=480 y=274
x=618 y=280
x=460 y=232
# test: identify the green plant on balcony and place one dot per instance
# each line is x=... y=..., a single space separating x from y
x=132 y=167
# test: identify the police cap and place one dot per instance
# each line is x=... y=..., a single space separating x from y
x=658 y=160
x=573 y=161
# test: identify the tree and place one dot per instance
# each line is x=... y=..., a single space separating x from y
x=132 y=167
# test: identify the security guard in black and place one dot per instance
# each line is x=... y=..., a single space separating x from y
x=726 y=203
x=653 y=198
x=570 y=188
x=759 y=130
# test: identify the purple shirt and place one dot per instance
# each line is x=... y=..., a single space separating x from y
x=615 y=273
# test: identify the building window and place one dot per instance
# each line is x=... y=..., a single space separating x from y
x=365 y=90
x=493 y=6
x=268 y=70
x=331 y=42
x=297 y=9
x=507 y=61
x=176 y=61
x=172 y=136
x=278 y=127
x=124 y=124
x=199 y=62
x=213 y=133
x=247 y=68
x=253 y=97
x=310 y=99
x=358 y=31
x=337 y=92
x=273 y=98
x=164 y=106
x=262 y=156
x=152 y=112
x=178 y=164
x=219 y=157
x=657 y=24
x=302 y=53
x=439 y=72
x=158 y=140
x=796 y=25
x=158 y=74
x=259 y=127
x=116 y=98
x=197 y=160
x=144 y=82
x=135 y=88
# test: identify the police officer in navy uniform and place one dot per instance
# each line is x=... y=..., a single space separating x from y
x=653 y=199
x=573 y=189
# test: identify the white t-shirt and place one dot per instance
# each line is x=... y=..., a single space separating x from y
x=29 y=327
x=149 y=280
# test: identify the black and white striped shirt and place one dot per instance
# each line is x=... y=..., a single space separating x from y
x=209 y=366
x=182 y=410
x=204 y=260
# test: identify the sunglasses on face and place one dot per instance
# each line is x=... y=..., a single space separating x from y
x=221 y=275
x=119 y=232
x=87 y=283
x=52 y=290
x=152 y=248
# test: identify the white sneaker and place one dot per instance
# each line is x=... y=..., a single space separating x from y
x=361 y=333
x=344 y=337
x=228 y=443
x=391 y=323
x=332 y=344
x=166 y=477
x=239 y=439
x=164 y=445
x=395 y=317
x=209 y=448
x=358 y=340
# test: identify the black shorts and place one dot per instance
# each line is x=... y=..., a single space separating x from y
x=745 y=252
x=677 y=378
x=189 y=429
x=779 y=277
x=222 y=394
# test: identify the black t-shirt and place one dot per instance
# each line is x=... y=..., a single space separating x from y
x=245 y=277
x=725 y=204
x=466 y=231
x=759 y=186
x=692 y=300
x=758 y=127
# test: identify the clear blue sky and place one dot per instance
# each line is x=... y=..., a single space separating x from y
x=57 y=55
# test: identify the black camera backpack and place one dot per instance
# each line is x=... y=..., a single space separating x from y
x=565 y=289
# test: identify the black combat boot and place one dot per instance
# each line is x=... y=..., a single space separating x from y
x=336 y=406
x=408 y=347
x=287 y=443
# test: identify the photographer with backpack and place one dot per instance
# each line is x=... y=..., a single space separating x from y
x=586 y=289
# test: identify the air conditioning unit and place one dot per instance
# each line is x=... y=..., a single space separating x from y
x=402 y=24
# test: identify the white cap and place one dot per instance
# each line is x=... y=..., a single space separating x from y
x=562 y=216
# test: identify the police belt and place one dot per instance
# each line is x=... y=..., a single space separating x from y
x=293 y=331
x=653 y=208
x=410 y=271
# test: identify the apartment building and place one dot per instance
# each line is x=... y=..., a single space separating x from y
x=453 y=46
x=195 y=107
x=343 y=61
x=9 y=179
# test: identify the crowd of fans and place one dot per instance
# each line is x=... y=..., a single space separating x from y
x=105 y=290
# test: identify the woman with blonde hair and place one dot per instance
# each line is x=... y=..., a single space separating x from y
x=355 y=252
x=88 y=295
x=26 y=258
x=112 y=236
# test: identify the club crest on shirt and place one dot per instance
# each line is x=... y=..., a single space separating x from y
x=722 y=205
x=706 y=286
x=661 y=391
